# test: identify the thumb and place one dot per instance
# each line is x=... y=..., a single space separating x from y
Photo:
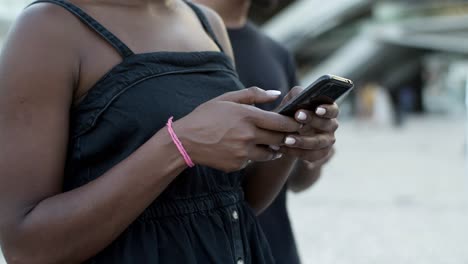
x=250 y=96
x=295 y=91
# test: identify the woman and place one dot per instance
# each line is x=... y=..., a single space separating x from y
x=89 y=170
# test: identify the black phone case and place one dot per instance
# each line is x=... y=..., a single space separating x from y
x=326 y=90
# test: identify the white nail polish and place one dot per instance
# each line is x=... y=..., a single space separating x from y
x=321 y=111
x=273 y=92
x=278 y=156
x=275 y=148
x=290 y=141
x=302 y=116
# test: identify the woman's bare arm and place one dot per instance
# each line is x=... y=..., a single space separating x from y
x=38 y=223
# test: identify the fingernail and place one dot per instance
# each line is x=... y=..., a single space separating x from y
x=290 y=141
x=278 y=156
x=275 y=148
x=302 y=116
x=273 y=92
x=321 y=111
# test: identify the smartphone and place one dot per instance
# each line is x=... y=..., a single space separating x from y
x=327 y=89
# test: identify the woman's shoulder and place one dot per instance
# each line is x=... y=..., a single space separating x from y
x=39 y=43
x=46 y=17
x=45 y=25
x=213 y=17
x=219 y=28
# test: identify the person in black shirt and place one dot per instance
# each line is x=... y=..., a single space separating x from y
x=263 y=62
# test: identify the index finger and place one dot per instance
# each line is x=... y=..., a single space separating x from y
x=329 y=111
x=250 y=96
x=275 y=122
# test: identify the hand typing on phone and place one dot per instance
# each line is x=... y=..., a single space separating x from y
x=316 y=137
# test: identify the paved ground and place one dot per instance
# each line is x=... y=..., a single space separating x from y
x=390 y=196
x=396 y=196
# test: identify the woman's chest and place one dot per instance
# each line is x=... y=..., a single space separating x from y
x=144 y=102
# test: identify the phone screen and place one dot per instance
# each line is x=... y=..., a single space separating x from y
x=328 y=89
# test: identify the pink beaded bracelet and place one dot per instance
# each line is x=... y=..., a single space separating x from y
x=179 y=145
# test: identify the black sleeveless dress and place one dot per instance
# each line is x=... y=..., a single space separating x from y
x=202 y=216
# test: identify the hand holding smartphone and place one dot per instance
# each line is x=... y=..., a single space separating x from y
x=328 y=89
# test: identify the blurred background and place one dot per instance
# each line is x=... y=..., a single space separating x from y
x=397 y=189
